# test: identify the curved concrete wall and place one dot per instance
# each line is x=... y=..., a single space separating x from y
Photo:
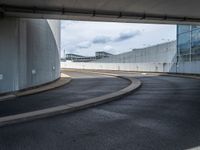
x=161 y=53
x=29 y=53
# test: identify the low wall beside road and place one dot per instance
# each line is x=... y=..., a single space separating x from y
x=157 y=58
x=184 y=67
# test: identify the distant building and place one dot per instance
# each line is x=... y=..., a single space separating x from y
x=84 y=59
x=102 y=54
x=79 y=58
x=73 y=57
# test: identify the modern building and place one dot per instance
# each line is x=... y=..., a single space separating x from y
x=79 y=58
x=188 y=43
x=102 y=54
x=73 y=57
x=188 y=48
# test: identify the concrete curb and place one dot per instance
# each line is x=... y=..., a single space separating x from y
x=181 y=76
x=7 y=97
x=65 y=79
x=49 y=112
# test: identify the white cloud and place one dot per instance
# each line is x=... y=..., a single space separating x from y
x=87 y=37
x=127 y=35
x=108 y=48
x=85 y=44
x=101 y=39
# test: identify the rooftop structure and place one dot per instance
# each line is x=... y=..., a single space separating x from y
x=79 y=58
x=73 y=56
x=102 y=54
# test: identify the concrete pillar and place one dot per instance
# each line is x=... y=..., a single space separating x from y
x=29 y=53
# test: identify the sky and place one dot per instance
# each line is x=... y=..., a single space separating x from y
x=85 y=38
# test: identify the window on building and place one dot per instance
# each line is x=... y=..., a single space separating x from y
x=184 y=43
x=183 y=28
x=188 y=43
x=195 y=57
x=195 y=41
x=195 y=27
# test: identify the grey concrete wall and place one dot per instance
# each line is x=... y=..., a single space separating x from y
x=145 y=67
x=29 y=52
x=162 y=53
x=159 y=58
x=186 y=67
x=8 y=54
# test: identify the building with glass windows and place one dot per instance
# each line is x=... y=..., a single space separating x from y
x=188 y=48
x=188 y=43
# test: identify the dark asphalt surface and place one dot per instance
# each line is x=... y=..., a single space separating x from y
x=82 y=87
x=163 y=115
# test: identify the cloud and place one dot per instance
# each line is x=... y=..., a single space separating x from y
x=109 y=49
x=101 y=40
x=65 y=24
x=118 y=38
x=127 y=35
x=85 y=44
x=62 y=26
x=77 y=35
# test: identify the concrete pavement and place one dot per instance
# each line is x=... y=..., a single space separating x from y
x=163 y=114
x=83 y=86
x=34 y=111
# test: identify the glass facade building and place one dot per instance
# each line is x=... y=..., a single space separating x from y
x=188 y=43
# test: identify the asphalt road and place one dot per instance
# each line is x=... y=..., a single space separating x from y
x=83 y=86
x=163 y=115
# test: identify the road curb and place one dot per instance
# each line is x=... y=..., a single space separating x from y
x=181 y=76
x=76 y=106
x=64 y=79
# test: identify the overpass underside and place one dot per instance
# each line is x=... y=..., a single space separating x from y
x=145 y=11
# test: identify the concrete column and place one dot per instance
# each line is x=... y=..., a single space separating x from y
x=29 y=53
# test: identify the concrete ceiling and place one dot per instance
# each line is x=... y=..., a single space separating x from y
x=147 y=11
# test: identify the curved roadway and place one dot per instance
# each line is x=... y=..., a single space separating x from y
x=163 y=115
x=83 y=86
